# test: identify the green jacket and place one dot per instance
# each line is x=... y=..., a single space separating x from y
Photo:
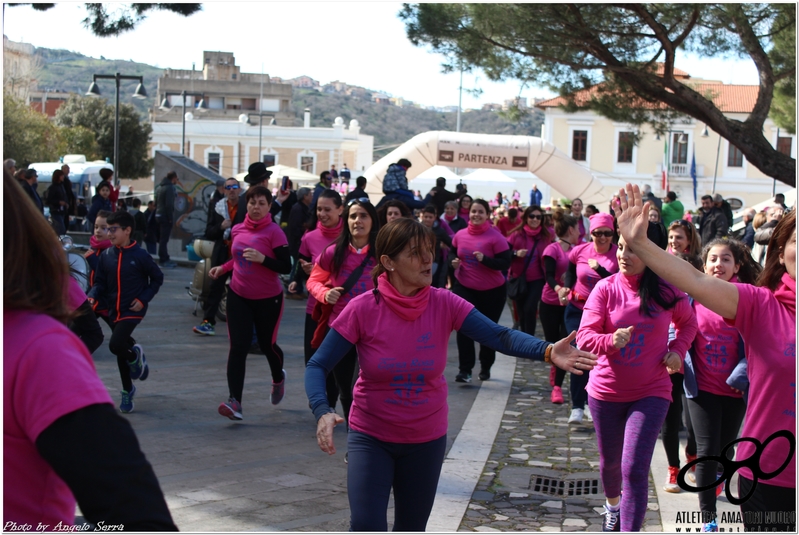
x=671 y=212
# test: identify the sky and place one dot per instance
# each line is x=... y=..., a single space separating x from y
x=360 y=43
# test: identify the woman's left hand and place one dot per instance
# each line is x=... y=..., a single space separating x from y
x=673 y=362
x=324 y=431
x=593 y=264
x=479 y=256
x=569 y=358
x=253 y=256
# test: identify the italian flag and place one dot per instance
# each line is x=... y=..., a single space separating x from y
x=664 y=179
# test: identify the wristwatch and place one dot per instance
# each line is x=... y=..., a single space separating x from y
x=548 y=354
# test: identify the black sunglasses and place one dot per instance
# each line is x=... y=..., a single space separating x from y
x=604 y=233
x=533 y=216
x=359 y=199
x=232 y=186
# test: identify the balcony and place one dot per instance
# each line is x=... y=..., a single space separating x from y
x=680 y=169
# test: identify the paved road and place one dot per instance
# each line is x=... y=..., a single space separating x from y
x=266 y=473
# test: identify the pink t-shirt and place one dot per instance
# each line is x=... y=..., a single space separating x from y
x=251 y=280
x=351 y=261
x=312 y=245
x=561 y=257
x=401 y=393
x=47 y=373
x=587 y=277
x=471 y=273
x=769 y=333
x=520 y=240
x=635 y=371
x=716 y=349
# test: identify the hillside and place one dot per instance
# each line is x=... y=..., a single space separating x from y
x=63 y=70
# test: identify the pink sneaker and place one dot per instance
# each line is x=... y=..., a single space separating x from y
x=552 y=376
x=278 y=389
x=557 y=395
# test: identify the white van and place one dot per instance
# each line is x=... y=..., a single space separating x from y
x=84 y=176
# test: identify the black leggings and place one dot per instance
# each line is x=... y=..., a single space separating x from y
x=490 y=303
x=554 y=330
x=717 y=420
x=670 y=432
x=121 y=345
x=770 y=508
x=242 y=314
x=527 y=306
x=345 y=374
x=332 y=388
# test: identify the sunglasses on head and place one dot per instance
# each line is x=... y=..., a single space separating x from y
x=603 y=233
x=232 y=186
x=359 y=199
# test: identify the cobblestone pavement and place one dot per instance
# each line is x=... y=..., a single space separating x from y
x=535 y=444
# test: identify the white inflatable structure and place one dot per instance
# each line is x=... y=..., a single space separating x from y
x=511 y=153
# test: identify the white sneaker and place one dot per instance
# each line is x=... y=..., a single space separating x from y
x=587 y=414
x=576 y=417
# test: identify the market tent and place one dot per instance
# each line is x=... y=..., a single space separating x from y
x=439 y=171
x=486 y=183
x=297 y=176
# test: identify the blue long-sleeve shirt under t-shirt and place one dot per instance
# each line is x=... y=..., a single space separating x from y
x=476 y=326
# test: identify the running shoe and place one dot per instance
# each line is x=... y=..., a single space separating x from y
x=232 y=409
x=206 y=328
x=552 y=376
x=720 y=488
x=278 y=389
x=463 y=377
x=484 y=375
x=611 y=522
x=138 y=368
x=691 y=476
x=710 y=527
x=346 y=457
x=576 y=417
x=671 y=480
x=557 y=395
x=127 y=400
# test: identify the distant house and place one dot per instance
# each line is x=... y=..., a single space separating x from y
x=48 y=102
x=380 y=98
x=492 y=106
x=304 y=82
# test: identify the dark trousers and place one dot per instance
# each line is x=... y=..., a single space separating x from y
x=58 y=223
x=717 y=420
x=770 y=508
x=215 y=293
x=121 y=345
x=490 y=303
x=376 y=467
x=242 y=314
x=331 y=386
x=554 y=330
x=670 y=432
x=87 y=328
x=165 y=229
x=152 y=246
x=571 y=318
x=527 y=306
x=345 y=375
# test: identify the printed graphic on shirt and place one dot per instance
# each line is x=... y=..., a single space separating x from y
x=408 y=387
x=590 y=281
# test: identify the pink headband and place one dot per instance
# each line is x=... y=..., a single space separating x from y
x=601 y=220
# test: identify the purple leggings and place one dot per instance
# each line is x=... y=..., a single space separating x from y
x=626 y=434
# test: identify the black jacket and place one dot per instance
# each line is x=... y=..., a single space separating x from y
x=296 y=227
x=33 y=194
x=215 y=233
x=54 y=195
x=441 y=197
x=713 y=225
x=165 y=195
x=357 y=193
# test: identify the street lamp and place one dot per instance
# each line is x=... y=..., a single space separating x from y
x=140 y=93
x=183 y=94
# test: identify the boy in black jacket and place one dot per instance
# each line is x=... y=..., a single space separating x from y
x=125 y=281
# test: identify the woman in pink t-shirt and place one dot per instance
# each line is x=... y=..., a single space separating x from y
x=255 y=297
x=589 y=263
x=551 y=310
x=765 y=316
x=479 y=254
x=341 y=274
x=528 y=242
x=398 y=426
x=716 y=408
x=683 y=238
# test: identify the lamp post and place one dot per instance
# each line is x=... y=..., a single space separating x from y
x=165 y=105
x=140 y=93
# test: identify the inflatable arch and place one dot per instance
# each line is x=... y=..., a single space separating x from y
x=512 y=153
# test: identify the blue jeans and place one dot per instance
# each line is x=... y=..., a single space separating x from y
x=375 y=467
x=571 y=318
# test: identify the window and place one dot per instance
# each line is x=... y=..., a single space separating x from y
x=735 y=158
x=784 y=145
x=626 y=142
x=269 y=160
x=580 y=145
x=248 y=104
x=679 y=148
x=213 y=161
x=306 y=163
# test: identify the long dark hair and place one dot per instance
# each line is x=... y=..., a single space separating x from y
x=544 y=230
x=331 y=194
x=382 y=214
x=773 y=270
x=343 y=240
x=652 y=287
x=748 y=269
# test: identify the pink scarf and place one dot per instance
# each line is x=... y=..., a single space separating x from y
x=256 y=226
x=330 y=233
x=478 y=229
x=786 y=293
x=99 y=245
x=450 y=217
x=532 y=232
x=407 y=308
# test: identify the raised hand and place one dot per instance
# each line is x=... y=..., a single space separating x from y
x=632 y=216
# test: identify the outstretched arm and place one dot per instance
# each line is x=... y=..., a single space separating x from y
x=717 y=295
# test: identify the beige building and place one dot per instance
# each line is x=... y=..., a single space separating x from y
x=20 y=68
x=607 y=149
